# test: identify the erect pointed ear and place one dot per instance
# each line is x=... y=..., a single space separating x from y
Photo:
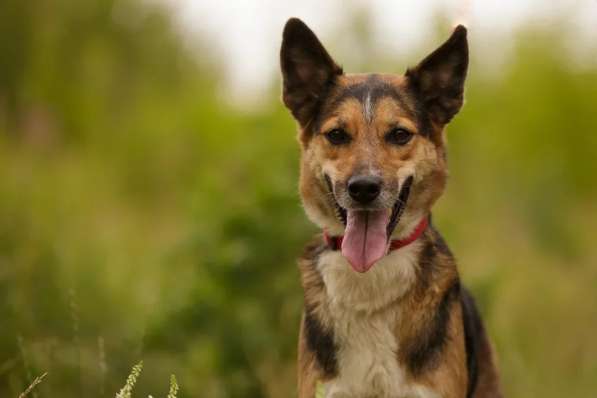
x=307 y=70
x=438 y=80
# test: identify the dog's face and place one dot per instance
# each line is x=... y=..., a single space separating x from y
x=373 y=148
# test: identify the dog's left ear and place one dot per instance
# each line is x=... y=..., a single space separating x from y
x=307 y=70
x=438 y=80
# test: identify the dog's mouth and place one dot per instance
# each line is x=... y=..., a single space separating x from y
x=367 y=232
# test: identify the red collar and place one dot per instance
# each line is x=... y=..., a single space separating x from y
x=335 y=242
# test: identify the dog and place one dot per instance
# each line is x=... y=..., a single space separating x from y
x=384 y=313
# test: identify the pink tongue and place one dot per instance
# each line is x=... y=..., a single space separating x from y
x=365 y=238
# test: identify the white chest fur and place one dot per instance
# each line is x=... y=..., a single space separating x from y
x=364 y=324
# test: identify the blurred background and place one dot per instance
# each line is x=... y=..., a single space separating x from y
x=148 y=188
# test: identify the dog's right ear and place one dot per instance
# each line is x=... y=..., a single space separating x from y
x=307 y=70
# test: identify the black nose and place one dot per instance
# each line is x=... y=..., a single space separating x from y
x=364 y=189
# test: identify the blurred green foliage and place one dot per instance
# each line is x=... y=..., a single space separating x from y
x=141 y=217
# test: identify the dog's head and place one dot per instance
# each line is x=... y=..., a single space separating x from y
x=373 y=147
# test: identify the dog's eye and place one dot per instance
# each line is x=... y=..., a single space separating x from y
x=398 y=136
x=337 y=137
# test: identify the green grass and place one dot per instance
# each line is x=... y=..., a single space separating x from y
x=125 y=392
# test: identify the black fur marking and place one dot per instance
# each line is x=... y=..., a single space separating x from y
x=399 y=206
x=439 y=243
x=432 y=340
x=375 y=89
x=473 y=332
x=428 y=258
x=442 y=247
x=321 y=342
x=339 y=210
x=313 y=250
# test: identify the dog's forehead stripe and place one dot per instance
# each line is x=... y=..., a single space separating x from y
x=368 y=108
x=369 y=93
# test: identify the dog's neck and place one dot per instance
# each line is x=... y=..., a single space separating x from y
x=383 y=284
x=386 y=281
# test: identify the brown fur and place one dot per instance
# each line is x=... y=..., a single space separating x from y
x=442 y=344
